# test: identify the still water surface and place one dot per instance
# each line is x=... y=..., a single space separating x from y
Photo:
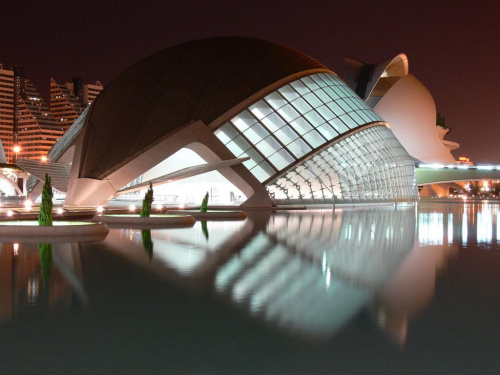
x=363 y=291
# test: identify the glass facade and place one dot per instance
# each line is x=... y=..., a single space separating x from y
x=285 y=126
x=370 y=165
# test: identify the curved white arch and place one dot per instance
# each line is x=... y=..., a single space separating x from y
x=386 y=74
x=368 y=79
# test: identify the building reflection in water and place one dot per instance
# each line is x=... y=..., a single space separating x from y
x=470 y=224
x=307 y=273
x=26 y=283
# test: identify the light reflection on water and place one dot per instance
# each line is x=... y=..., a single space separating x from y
x=305 y=273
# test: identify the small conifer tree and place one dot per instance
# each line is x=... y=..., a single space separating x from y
x=204 y=204
x=45 y=214
x=147 y=202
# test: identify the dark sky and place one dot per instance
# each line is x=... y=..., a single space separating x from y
x=453 y=46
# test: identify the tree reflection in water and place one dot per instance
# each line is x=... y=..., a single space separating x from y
x=147 y=242
x=45 y=251
x=204 y=229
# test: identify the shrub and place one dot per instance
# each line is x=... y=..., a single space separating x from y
x=45 y=214
x=204 y=204
x=147 y=202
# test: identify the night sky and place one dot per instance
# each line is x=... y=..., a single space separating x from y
x=453 y=46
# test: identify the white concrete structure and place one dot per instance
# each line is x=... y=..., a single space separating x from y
x=405 y=103
x=302 y=134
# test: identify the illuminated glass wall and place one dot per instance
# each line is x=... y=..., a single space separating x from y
x=286 y=126
x=370 y=165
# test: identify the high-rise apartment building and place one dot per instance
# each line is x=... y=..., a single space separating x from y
x=69 y=100
x=37 y=129
x=28 y=128
x=6 y=111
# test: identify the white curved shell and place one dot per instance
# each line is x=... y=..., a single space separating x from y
x=410 y=110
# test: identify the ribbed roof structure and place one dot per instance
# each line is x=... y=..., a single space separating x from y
x=198 y=80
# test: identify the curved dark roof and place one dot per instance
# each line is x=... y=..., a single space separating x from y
x=198 y=80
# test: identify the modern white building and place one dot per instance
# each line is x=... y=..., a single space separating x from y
x=270 y=124
x=405 y=103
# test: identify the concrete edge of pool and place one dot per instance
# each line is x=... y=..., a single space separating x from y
x=30 y=231
x=135 y=221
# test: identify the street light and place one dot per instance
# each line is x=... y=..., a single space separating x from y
x=16 y=149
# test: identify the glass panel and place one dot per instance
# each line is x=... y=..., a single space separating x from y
x=249 y=163
x=222 y=136
x=356 y=104
x=263 y=171
x=281 y=159
x=260 y=109
x=238 y=145
x=325 y=112
x=322 y=95
x=335 y=108
x=310 y=83
x=348 y=121
x=314 y=118
x=228 y=131
x=288 y=92
x=339 y=92
x=286 y=135
x=268 y=146
x=329 y=78
x=299 y=148
x=243 y=120
x=275 y=100
x=300 y=87
x=364 y=116
x=332 y=94
x=356 y=118
x=344 y=106
x=316 y=78
x=301 y=105
x=256 y=133
x=327 y=132
x=301 y=126
x=288 y=113
x=338 y=125
x=312 y=100
x=347 y=91
x=273 y=122
x=314 y=138
x=255 y=158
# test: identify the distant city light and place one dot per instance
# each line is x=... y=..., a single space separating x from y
x=131 y=208
x=100 y=209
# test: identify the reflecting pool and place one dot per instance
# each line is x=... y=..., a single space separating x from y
x=407 y=290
